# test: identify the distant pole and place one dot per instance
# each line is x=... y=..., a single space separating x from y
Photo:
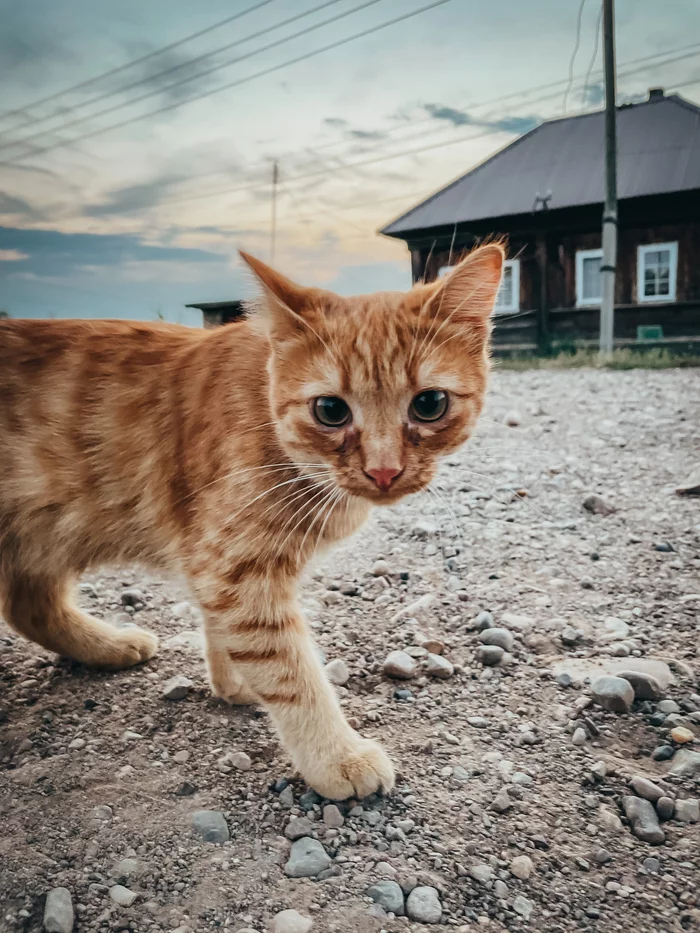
x=607 y=269
x=273 y=232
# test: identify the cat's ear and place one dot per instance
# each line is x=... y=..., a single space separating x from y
x=282 y=302
x=469 y=291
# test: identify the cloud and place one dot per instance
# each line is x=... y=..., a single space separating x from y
x=12 y=255
x=508 y=124
x=594 y=95
x=10 y=206
x=453 y=116
x=366 y=134
x=134 y=197
x=335 y=121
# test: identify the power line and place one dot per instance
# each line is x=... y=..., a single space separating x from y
x=574 y=53
x=599 y=23
x=159 y=90
x=136 y=61
x=258 y=74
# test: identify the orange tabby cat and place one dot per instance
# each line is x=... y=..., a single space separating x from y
x=232 y=455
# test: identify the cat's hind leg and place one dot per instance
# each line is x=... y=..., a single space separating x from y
x=41 y=609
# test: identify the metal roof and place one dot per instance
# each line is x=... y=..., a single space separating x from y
x=658 y=153
x=218 y=306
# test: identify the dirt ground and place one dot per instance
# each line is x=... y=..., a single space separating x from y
x=100 y=775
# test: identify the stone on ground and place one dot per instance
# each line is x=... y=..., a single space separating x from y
x=307 y=859
x=210 y=826
x=388 y=894
x=423 y=905
x=291 y=921
x=613 y=694
x=59 y=916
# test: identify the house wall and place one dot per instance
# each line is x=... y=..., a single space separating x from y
x=548 y=312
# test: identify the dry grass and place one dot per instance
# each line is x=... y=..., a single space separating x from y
x=652 y=358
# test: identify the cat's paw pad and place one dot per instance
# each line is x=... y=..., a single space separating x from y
x=133 y=646
x=232 y=692
x=365 y=770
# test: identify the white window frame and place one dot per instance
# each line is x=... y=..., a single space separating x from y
x=672 y=272
x=514 y=265
x=581 y=256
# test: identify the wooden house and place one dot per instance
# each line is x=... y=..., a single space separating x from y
x=215 y=313
x=545 y=193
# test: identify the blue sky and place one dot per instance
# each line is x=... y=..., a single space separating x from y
x=138 y=220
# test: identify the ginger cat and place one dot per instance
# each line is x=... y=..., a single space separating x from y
x=231 y=456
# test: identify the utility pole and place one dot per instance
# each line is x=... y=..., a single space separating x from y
x=273 y=231
x=607 y=268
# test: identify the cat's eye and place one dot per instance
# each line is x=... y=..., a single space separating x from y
x=331 y=411
x=430 y=405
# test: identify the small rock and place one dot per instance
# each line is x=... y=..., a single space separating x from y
x=663 y=752
x=380 y=568
x=423 y=905
x=579 y=736
x=500 y=889
x=523 y=906
x=596 y=505
x=177 y=687
x=299 y=827
x=478 y=722
x=645 y=686
x=210 y=826
x=122 y=896
x=571 y=636
x=132 y=597
x=433 y=646
x=687 y=811
x=522 y=867
x=388 y=894
x=337 y=672
x=643 y=819
x=667 y=706
x=239 y=760
x=77 y=744
x=613 y=694
x=291 y=921
x=524 y=780
x=482 y=873
x=646 y=789
x=609 y=820
x=489 y=655
x=690 y=485
x=59 y=916
x=599 y=769
x=665 y=807
x=522 y=624
x=502 y=802
x=307 y=859
x=664 y=547
x=501 y=637
x=681 y=735
x=400 y=665
x=512 y=419
x=686 y=764
x=332 y=816
x=286 y=798
x=652 y=865
x=483 y=621
x=564 y=680
x=439 y=667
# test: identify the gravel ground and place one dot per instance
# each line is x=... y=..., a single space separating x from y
x=513 y=808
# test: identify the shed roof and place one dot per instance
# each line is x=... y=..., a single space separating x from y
x=658 y=153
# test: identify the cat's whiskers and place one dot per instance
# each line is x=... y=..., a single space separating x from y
x=232 y=474
x=306 y=504
x=336 y=494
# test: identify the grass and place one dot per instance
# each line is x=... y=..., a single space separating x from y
x=651 y=358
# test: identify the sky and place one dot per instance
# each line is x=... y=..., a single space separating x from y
x=136 y=157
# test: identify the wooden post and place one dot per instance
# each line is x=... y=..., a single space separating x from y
x=543 y=342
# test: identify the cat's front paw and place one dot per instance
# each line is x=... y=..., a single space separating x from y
x=362 y=771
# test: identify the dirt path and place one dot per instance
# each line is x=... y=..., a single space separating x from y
x=510 y=823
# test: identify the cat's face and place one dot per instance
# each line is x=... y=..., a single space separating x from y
x=376 y=388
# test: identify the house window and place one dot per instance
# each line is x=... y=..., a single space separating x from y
x=508 y=297
x=656 y=272
x=588 y=280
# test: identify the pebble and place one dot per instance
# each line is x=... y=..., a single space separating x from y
x=483 y=621
x=400 y=665
x=512 y=419
x=613 y=694
x=177 y=687
x=482 y=873
x=286 y=798
x=663 y=752
x=564 y=680
x=643 y=819
x=439 y=667
x=502 y=802
x=645 y=687
x=500 y=889
x=686 y=764
x=596 y=505
x=687 y=811
x=524 y=780
x=77 y=744
x=423 y=905
x=478 y=722
x=668 y=706
x=306 y=859
x=579 y=736
x=501 y=637
x=646 y=789
x=489 y=655
x=239 y=760
x=388 y=894
x=291 y=921
x=522 y=867
x=681 y=735
x=332 y=817
x=59 y=916
x=665 y=807
x=338 y=672
x=122 y=896
x=380 y=568
x=652 y=865
x=523 y=906
x=210 y=826
x=298 y=827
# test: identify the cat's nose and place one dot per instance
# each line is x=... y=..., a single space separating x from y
x=384 y=476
